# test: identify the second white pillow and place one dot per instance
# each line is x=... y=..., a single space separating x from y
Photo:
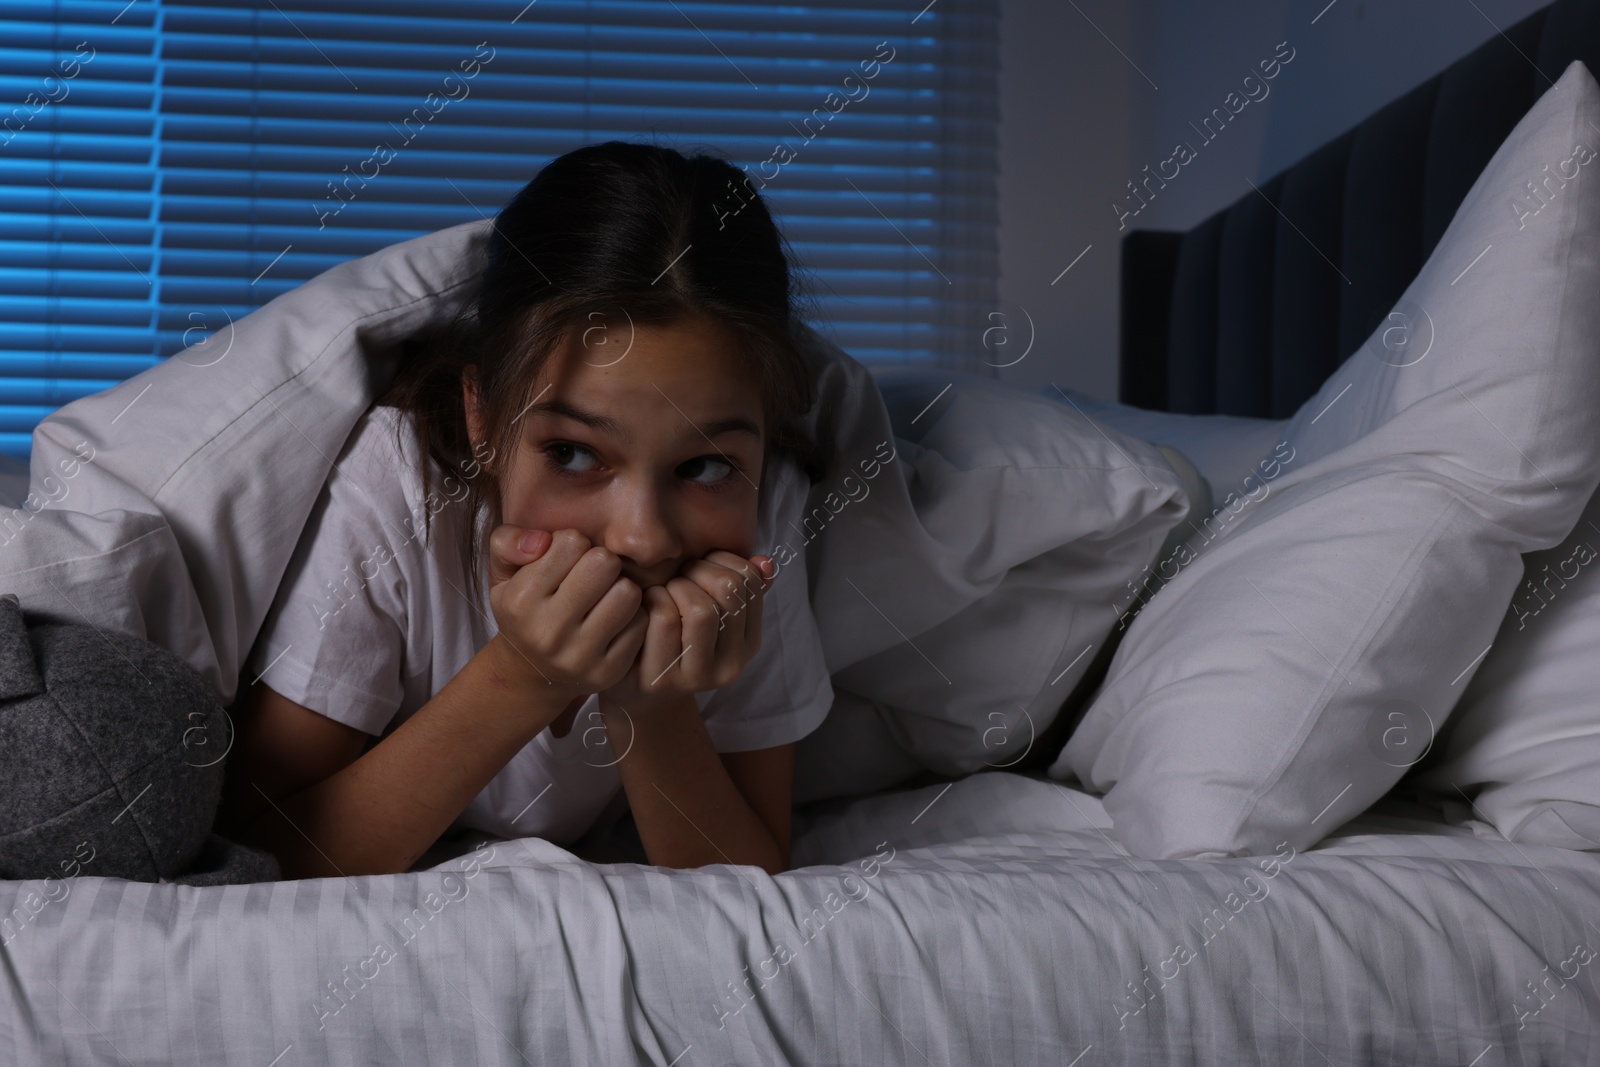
x=1298 y=660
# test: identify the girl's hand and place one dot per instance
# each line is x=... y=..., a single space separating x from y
x=704 y=626
x=572 y=620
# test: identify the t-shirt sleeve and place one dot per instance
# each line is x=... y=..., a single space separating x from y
x=784 y=692
x=334 y=638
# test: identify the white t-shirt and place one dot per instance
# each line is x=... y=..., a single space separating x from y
x=370 y=622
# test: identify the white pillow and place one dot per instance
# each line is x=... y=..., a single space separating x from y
x=1232 y=451
x=1522 y=751
x=168 y=505
x=1259 y=698
x=957 y=589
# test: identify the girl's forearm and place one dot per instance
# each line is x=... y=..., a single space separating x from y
x=688 y=811
x=385 y=809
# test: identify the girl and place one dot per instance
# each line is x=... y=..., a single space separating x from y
x=527 y=585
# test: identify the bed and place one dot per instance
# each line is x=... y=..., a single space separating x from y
x=952 y=918
x=988 y=921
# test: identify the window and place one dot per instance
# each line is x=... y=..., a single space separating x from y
x=173 y=164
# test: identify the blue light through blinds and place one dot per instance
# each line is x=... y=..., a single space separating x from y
x=172 y=164
x=78 y=186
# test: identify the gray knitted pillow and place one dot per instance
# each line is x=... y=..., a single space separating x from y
x=111 y=759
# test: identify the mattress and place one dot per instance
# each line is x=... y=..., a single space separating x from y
x=985 y=920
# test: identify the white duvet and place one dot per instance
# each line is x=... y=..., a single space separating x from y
x=990 y=920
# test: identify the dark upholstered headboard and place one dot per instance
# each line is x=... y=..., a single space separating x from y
x=1242 y=315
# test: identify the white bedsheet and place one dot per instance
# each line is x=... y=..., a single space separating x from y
x=985 y=921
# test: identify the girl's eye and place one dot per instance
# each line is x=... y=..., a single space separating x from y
x=572 y=460
x=722 y=469
x=563 y=452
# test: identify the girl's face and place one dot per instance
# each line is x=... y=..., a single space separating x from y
x=652 y=448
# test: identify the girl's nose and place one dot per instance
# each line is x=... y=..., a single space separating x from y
x=641 y=533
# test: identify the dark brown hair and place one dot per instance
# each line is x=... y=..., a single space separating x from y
x=616 y=226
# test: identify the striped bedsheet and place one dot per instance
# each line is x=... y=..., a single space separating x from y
x=986 y=921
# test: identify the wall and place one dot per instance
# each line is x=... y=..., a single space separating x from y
x=1064 y=141
x=1115 y=113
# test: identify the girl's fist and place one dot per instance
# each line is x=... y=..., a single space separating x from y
x=704 y=626
x=563 y=605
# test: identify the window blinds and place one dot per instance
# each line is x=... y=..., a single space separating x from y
x=169 y=165
x=78 y=185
